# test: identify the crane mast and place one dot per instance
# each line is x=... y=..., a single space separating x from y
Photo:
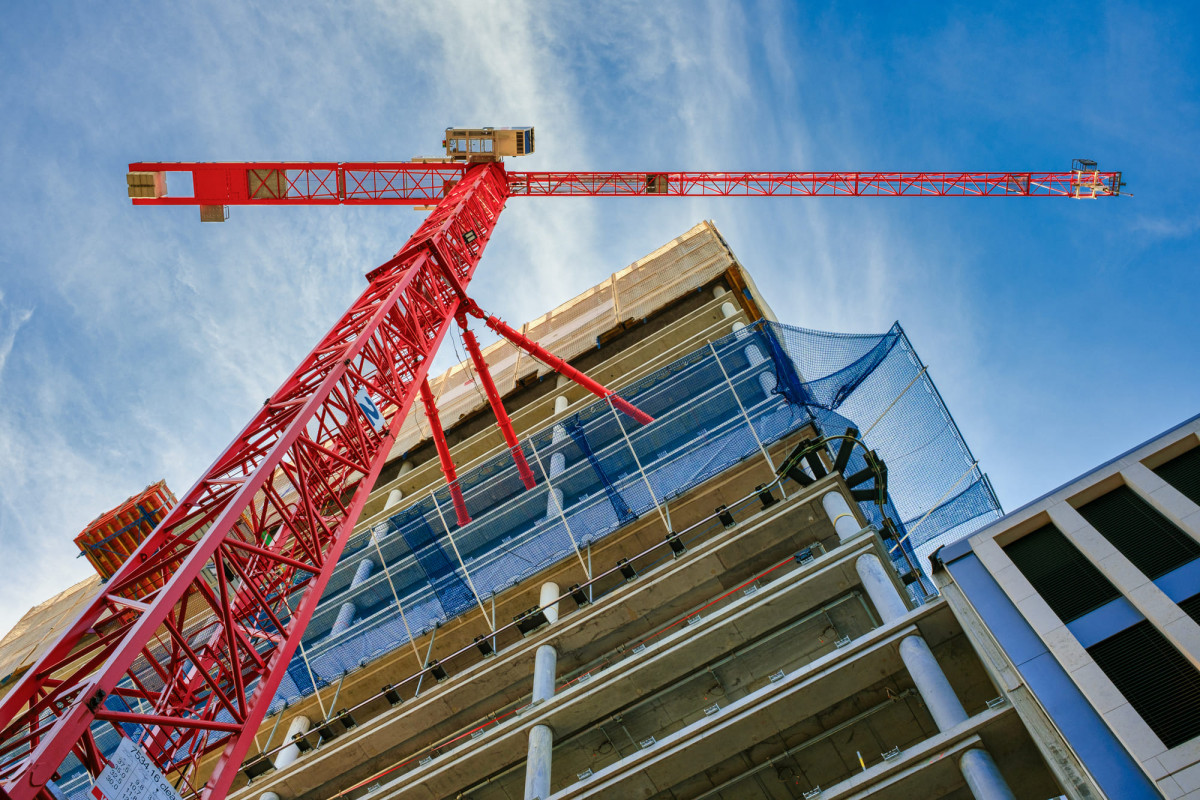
x=244 y=556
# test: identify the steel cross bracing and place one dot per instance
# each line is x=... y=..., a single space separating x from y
x=403 y=183
x=248 y=550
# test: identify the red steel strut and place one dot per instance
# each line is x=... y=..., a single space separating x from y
x=558 y=365
x=443 y=451
x=493 y=396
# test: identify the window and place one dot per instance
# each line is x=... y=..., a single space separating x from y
x=1160 y=684
x=1191 y=607
x=1183 y=472
x=1069 y=583
x=1145 y=537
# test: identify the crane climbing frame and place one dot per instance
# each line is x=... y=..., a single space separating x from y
x=244 y=556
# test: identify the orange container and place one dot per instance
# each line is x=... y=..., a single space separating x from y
x=113 y=536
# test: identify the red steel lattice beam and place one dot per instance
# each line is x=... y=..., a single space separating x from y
x=245 y=554
x=403 y=183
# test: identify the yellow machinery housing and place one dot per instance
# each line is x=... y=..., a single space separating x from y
x=475 y=145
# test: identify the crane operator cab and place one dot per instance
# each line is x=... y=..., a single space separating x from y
x=476 y=145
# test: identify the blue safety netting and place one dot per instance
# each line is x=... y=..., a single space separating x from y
x=712 y=408
x=603 y=468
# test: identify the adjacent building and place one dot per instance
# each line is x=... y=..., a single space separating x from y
x=1086 y=604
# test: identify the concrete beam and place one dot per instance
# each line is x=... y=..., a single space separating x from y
x=766 y=712
x=668 y=658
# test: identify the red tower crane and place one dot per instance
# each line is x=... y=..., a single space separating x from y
x=250 y=564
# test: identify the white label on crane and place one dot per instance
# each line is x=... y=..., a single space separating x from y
x=369 y=409
x=131 y=775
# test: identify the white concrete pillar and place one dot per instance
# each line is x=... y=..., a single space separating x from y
x=537 y=769
x=396 y=495
x=755 y=356
x=880 y=588
x=344 y=619
x=362 y=572
x=728 y=309
x=979 y=769
x=931 y=682
x=843 y=519
x=548 y=600
x=541 y=738
x=545 y=660
x=346 y=613
x=983 y=776
x=268 y=796
x=558 y=461
x=719 y=292
x=286 y=756
x=558 y=464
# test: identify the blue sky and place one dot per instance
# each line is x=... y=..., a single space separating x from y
x=134 y=343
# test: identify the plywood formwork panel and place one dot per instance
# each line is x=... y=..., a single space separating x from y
x=35 y=631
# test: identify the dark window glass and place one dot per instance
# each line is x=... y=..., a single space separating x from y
x=1069 y=583
x=1191 y=607
x=1183 y=472
x=1145 y=537
x=1160 y=684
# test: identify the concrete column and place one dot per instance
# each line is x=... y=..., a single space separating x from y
x=268 y=796
x=728 y=309
x=346 y=613
x=880 y=588
x=286 y=756
x=983 y=776
x=548 y=600
x=719 y=292
x=844 y=521
x=558 y=465
x=393 y=499
x=541 y=737
x=344 y=618
x=931 y=682
x=766 y=380
x=537 y=770
x=558 y=461
x=977 y=766
x=544 y=663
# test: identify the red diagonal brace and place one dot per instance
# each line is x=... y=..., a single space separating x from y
x=443 y=451
x=558 y=365
x=493 y=396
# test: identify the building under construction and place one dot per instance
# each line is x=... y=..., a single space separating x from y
x=729 y=602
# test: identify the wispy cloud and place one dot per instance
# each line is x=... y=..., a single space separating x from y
x=11 y=321
x=1167 y=227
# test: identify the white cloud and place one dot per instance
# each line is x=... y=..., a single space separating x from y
x=11 y=321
